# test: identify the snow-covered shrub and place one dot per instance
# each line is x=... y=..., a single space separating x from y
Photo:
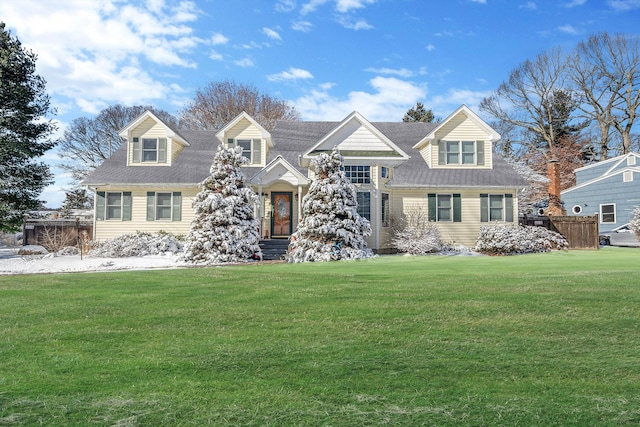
x=501 y=239
x=68 y=250
x=32 y=250
x=634 y=224
x=415 y=235
x=137 y=244
x=224 y=228
x=331 y=228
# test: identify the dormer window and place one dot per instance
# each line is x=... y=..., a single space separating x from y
x=149 y=150
x=461 y=153
x=251 y=148
x=358 y=174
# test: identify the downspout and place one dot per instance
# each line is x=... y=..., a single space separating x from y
x=261 y=209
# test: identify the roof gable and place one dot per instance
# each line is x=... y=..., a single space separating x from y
x=146 y=117
x=356 y=137
x=244 y=120
x=463 y=119
x=279 y=170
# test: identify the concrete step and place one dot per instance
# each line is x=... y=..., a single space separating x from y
x=274 y=249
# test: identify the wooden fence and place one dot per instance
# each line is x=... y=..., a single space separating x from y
x=581 y=232
x=54 y=234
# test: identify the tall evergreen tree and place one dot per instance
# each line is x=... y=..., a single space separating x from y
x=224 y=228
x=331 y=227
x=419 y=114
x=23 y=131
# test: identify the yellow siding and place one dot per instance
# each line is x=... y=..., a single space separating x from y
x=109 y=229
x=150 y=129
x=244 y=129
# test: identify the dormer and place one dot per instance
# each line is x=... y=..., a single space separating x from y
x=462 y=140
x=245 y=132
x=151 y=142
x=359 y=143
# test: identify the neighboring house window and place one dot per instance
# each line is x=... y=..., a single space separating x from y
x=631 y=161
x=364 y=204
x=149 y=150
x=385 y=209
x=496 y=207
x=251 y=148
x=608 y=213
x=445 y=207
x=461 y=153
x=577 y=209
x=358 y=174
x=164 y=206
x=627 y=176
x=113 y=206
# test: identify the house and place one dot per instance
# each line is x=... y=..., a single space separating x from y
x=445 y=170
x=610 y=188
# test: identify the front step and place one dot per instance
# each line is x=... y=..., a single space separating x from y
x=274 y=249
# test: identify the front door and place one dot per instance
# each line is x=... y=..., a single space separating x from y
x=281 y=217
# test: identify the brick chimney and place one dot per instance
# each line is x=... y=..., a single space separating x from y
x=555 y=204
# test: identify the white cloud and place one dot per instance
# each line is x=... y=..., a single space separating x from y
x=574 y=3
x=216 y=56
x=569 y=29
x=443 y=105
x=244 y=62
x=624 y=5
x=304 y=26
x=354 y=24
x=272 y=34
x=93 y=54
x=390 y=99
x=218 y=38
x=401 y=72
x=480 y=1
x=291 y=74
x=529 y=5
x=311 y=6
x=344 y=6
x=285 y=5
x=430 y=47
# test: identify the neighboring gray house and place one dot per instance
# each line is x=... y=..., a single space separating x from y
x=610 y=188
x=445 y=170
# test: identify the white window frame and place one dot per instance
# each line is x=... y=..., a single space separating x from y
x=253 y=154
x=159 y=207
x=358 y=174
x=385 y=201
x=449 y=209
x=460 y=152
x=627 y=176
x=501 y=208
x=361 y=207
x=385 y=172
x=107 y=205
x=602 y=215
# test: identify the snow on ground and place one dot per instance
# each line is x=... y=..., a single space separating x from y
x=11 y=264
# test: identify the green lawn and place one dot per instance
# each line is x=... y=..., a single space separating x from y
x=546 y=339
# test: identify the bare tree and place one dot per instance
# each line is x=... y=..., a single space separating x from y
x=87 y=142
x=218 y=103
x=606 y=70
x=528 y=100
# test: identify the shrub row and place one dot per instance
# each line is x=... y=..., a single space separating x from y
x=138 y=244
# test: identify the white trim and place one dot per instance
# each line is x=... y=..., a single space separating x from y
x=125 y=132
x=279 y=160
x=615 y=213
x=599 y=178
x=264 y=133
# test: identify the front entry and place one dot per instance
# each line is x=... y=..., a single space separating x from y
x=281 y=214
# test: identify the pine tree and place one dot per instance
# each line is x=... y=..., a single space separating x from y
x=224 y=228
x=24 y=132
x=331 y=227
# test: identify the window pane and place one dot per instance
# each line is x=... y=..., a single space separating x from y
x=495 y=207
x=246 y=147
x=364 y=204
x=444 y=207
x=453 y=152
x=468 y=152
x=163 y=205
x=608 y=213
x=114 y=206
x=358 y=174
x=149 y=150
x=385 y=209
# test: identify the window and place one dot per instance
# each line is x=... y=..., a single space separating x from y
x=150 y=150
x=445 y=207
x=384 y=214
x=251 y=148
x=113 y=206
x=631 y=161
x=608 y=213
x=577 y=209
x=358 y=174
x=164 y=206
x=364 y=204
x=496 y=207
x=461 y=153
x=385 y=172
x=627 y=176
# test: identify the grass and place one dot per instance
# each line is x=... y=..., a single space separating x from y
x=548 y=339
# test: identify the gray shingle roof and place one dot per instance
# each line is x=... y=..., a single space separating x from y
x=291 y=139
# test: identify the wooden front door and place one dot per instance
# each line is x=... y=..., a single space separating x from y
x=281 y=216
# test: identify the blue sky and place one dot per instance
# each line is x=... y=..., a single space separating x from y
x=327 y=57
